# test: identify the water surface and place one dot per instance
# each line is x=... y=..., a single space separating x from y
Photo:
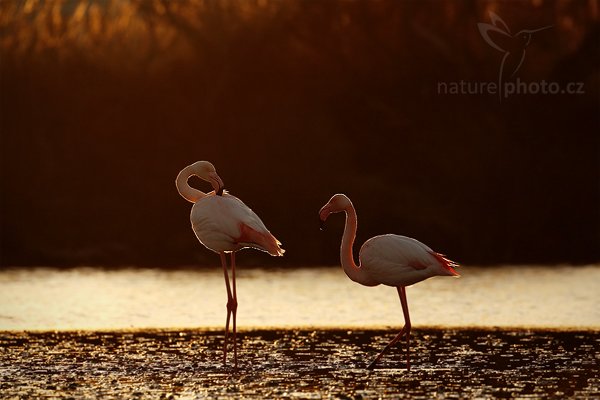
x=300 y=364
x=97 y=299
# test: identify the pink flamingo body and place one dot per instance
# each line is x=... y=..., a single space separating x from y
x=391 y=260
x=224 y=224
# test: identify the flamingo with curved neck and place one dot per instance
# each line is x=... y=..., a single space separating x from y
x=391 y=260
x=224 y=224
x=353 y=271
x=203 y=170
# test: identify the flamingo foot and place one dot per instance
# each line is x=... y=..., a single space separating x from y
x=372 y=364
x=404 y=332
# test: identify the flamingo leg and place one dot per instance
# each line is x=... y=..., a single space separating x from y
x=404 y=331
x=402 y=294
x=229 y=304
x=234 y=309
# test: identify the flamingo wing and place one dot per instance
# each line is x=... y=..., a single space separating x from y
x=225 y=223
x=397 y=260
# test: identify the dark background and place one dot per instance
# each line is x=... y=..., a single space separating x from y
x=102 y=103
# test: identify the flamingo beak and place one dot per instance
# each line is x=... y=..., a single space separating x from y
x=217 y=183
x=323 y=214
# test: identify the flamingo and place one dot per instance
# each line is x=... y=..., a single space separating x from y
x=391 y=260
x=224 y=224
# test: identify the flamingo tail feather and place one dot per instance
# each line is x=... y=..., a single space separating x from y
x=264 y=240
x=447 y=264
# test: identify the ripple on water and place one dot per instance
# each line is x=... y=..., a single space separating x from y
x=300 y=364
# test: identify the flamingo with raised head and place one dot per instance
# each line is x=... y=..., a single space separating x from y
x=224 y=224
x=391 y=260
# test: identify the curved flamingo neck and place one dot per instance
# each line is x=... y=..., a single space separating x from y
x=354 y=272
x=185 y=190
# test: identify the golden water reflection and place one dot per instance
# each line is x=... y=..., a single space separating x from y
x=87 y=298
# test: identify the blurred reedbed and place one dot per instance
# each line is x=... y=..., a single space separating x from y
x=156 y=33
x=103 y=102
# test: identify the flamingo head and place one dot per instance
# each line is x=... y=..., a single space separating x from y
x=337 y=203
x=206 y=171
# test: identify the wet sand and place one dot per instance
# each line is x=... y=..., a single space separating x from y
x=297 y=364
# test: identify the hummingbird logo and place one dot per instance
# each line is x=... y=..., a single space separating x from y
x=498 y=35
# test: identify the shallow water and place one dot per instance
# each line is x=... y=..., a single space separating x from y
x=300 y=364
x=87 y=298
